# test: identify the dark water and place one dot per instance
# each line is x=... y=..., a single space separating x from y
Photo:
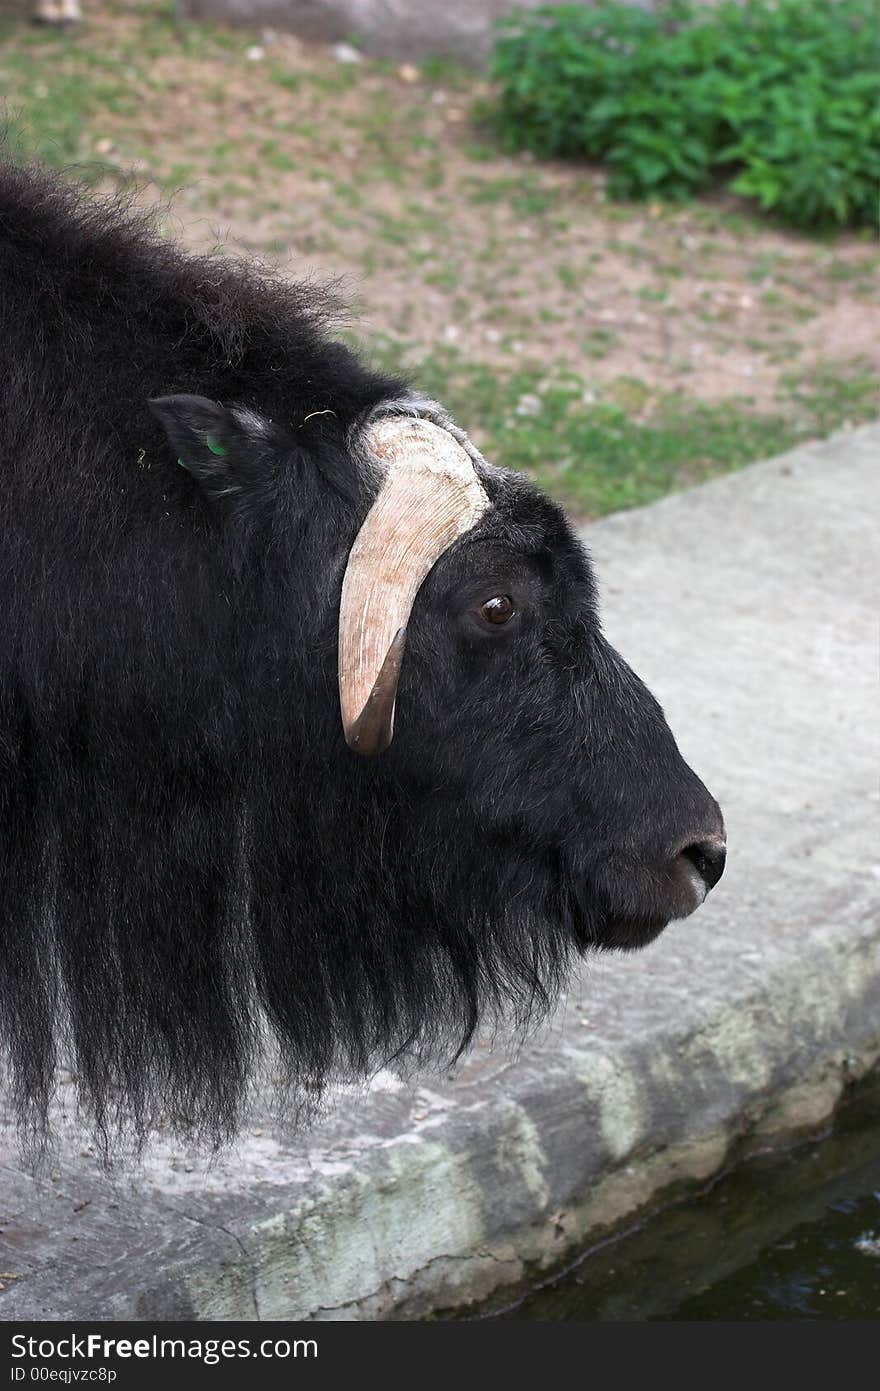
x=795 y=1236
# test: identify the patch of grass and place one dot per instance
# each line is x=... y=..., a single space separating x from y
x=290 y=81
x=525 y=195
x=480 y=153
x=568 y=277
x=532 y=201
x=446 y=277
x=842 y=271
x=434 y=174
x=653 y=294
x=47 y=120
x=762 y=267
x=275 y=157
x=834 y=394
x=340 y=78
x=446 y=72
x=599 y=342
x=397 y=231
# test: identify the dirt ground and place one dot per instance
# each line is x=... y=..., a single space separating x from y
x=381 y=175
x=503 y=258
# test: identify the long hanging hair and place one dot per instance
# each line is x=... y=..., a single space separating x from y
x=193 y=868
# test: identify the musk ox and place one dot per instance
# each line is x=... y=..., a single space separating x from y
x=309 y=735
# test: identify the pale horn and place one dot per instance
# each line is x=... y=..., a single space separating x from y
x=430 y=495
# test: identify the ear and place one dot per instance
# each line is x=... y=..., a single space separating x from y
x=225 y=449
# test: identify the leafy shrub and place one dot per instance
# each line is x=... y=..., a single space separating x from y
x=777 y=98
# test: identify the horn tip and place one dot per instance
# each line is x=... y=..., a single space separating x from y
x=371 y=732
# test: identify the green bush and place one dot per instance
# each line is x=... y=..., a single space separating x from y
x=780 y=99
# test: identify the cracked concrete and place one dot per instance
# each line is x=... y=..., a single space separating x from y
x=748 y=606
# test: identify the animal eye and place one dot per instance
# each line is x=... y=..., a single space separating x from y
x=498 y=609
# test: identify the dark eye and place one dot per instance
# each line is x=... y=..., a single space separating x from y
x=498 y=609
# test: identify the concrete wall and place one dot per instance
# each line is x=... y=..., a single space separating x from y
x=385 y=28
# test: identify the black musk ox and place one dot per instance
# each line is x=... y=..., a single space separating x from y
x=309 y=736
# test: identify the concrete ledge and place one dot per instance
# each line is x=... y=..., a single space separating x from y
x=748 y=606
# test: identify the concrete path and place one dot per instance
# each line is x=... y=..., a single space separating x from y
x=749 y=606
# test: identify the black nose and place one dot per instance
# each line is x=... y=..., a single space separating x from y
x=707 y=857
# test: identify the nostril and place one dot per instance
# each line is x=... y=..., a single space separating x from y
x=707 y=857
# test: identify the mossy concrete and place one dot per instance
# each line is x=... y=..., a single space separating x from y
x=748 y=605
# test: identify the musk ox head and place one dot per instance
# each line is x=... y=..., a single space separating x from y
x=490 y=792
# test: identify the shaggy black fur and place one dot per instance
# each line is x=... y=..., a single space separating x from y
x=191 y=860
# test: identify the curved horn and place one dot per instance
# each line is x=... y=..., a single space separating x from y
x=430 y=496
